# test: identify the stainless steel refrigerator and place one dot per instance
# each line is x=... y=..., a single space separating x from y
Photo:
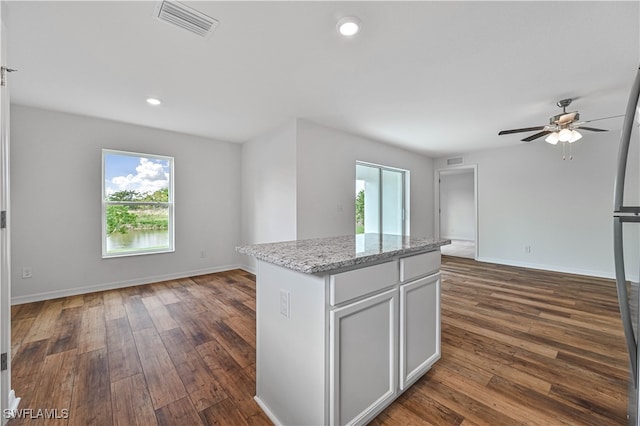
x=626 y=224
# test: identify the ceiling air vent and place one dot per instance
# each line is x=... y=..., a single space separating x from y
x=454 y=161
x=180 y=15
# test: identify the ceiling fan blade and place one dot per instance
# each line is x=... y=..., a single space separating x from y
x=526 y=129
x=592 y=129
x=604 y=118
x=536 y=136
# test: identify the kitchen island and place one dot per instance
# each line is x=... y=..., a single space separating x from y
x=344 y=325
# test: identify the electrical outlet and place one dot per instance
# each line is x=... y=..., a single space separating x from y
x=26 y=272
x=527 y=249
x=203 y=254
x=285 y=303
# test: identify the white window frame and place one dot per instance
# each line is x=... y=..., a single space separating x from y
x=170 y=204
x=405 y=195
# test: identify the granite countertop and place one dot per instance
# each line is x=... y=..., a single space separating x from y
x=326 y=254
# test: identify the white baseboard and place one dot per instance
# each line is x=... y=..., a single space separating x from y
x=247 y=268
x=120 y=284
x=266 y=410
x=554 y=268
x=470 y=240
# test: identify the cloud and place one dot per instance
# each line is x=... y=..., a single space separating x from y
x=150 y=176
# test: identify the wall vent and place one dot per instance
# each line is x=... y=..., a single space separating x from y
x=455 y=161
x=180 y=15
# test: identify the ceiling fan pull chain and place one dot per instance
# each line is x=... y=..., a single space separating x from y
x=564 y=150
x=570 y=151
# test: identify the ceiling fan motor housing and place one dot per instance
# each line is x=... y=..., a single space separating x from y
x=564 y=118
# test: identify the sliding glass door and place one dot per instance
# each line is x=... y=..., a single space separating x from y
x=380 y=199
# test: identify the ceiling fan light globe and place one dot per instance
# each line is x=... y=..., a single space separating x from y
x=575 y=136
x=564 y=135
x=552 y=138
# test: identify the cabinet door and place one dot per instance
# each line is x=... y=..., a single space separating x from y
x=419 y=328
x=363 y=361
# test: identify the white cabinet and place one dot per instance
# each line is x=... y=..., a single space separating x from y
x=419 y=328
x=357 y=283
x=350 y=342
x=419 y=265
x=363 y=358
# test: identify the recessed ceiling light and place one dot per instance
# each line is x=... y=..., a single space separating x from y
x=154 y=101
x=349 y=26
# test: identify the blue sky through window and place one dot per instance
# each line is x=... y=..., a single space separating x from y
x=135 y=172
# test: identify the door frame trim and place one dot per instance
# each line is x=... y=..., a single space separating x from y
x=436 y=203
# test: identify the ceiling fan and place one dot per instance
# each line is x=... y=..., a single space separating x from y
x=562 y=127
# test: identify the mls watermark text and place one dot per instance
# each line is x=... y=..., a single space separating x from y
x=37 y=413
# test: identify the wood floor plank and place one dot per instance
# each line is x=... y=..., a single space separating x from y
x=501 y=337
x=180 y=412
x=137 y=314
x=113 y=305
x=199 y=381
x=19 y=328
x=162 y=378
x=123 y=353
x=93 y=334
x=91 y=399
x=45 y=322
x=66 y=336
x=429 y=410
x=241 y=351
x=27 y=310
x=216 y=357
x=513 y=407
x=240 y=388
x=245 y=328
x=73 y=301
x=591 y=400
x=54 y=386
x=93 y=299
x=165 y=293
x=469 y=408
x=131 y=402
x=159 y=314
x=223 y=413
x=190 y=323
x=27 y=368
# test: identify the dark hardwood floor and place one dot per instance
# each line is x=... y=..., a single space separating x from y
x=518 y=347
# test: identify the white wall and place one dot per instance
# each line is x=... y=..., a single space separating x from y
x=55 y=186
x=457 y=209
x=298 y=182
x=528 y=195
x=326 y=173
x=269 y=189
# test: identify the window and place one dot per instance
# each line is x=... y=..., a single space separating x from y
x=380 y=199
x=137 y=203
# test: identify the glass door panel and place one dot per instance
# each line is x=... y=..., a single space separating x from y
x=392 y=202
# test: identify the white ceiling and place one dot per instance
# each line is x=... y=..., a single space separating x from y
x=435 y=77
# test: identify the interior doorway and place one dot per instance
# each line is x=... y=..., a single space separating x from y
x=456 y=205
